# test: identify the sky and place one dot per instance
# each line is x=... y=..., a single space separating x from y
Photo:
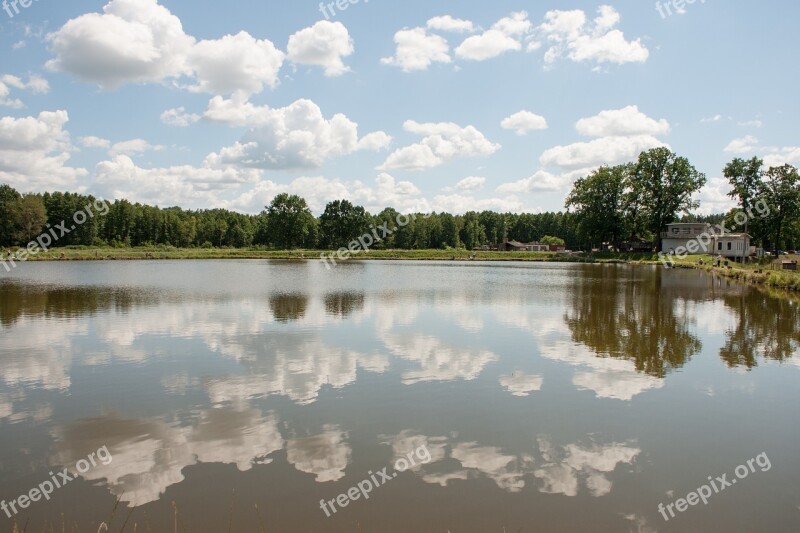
x=420 y=105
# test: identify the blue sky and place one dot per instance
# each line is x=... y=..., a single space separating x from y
x=435 y=105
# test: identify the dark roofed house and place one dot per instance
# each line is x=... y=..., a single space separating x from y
x=516 y=246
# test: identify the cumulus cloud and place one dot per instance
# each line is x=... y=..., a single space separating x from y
x=324 y=44
x=569 y=34
x=621 y=122
x=622 y=134
x=472 y=183
x=458 y=204
x=418 y=50
x=541 y=181
x=94 y=142
x=523 y=122
x=132 y=147
x=131 y=41
x=773 y=156
x=140 y=41
x=448 y=23
x=714 y=197
x=746 y=144
x=235 y=63
x=35 y=84
x=184 y=185
x=505 y=35
x=295 y=136
x=442 y=142
x=34 y=152
x=179 y=117
x=603 y=151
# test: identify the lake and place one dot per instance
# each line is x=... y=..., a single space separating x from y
x=544 y=397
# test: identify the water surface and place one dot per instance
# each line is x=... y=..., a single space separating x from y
x=549 y=397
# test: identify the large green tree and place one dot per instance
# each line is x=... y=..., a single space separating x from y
x=31 y=218
x=599 y=203
x=341 y=223
x=9 y=201
x=663 y=184
x=779 y=190
x=289 y=221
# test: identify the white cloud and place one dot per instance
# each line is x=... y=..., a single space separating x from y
x=622 y=122
x=541 y=181
x=472 y=183
x=773 y=156
x=94 y=142
x=235 y=63
x=34 y=152
x=418 y=50
x=140 y=41
x=178 y=185
x=448 y=23
x=570 y=35
x=179 y=117
x=752 y=124
x=746 y=144
x=523 y=122
x=603 y=151
x=714 y=197
x=132 y=147
x=132 y=41
x=502 y=37
x=789 y=155
x=35 y=84
x=295 y=136
x=459 y=204
x=375 y=141
x=442 y=142
x=715 y=118
x=324 y=44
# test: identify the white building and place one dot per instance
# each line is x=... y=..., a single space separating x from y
x=703 y=238
x=733 y=246
x=678 y=236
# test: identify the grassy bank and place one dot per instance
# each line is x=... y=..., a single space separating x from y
x=170 y=253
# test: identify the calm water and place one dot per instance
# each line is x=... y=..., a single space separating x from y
x=548 y=397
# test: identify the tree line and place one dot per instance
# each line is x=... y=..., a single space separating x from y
x=610 y=206
x=638 y=200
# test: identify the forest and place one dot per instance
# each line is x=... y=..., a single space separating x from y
x=610 y=206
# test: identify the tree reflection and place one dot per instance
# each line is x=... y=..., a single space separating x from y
x=288 y=307
x=765 y=326
x=18 y=300
x=343 y=304
x=626 y=313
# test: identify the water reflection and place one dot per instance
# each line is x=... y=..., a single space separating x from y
x=344 y=304
x=764 y=327
x=288 y=307
x=638 y=322
x=504 y=374
x=149 y=455
x=555 y=469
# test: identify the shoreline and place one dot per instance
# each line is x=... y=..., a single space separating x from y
x=752 y=274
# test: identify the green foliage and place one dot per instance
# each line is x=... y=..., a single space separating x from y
x=553 y=241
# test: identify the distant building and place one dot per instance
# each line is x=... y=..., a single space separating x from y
x=679 y=235
x=733 y=245
x=516 y=246
x=703 y=238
